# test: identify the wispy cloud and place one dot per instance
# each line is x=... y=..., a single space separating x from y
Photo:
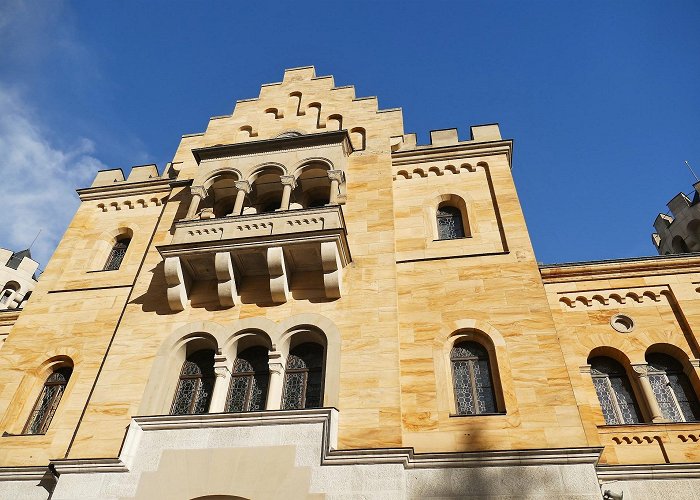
x=38 y=178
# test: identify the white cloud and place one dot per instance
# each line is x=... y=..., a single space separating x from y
x=38 y=178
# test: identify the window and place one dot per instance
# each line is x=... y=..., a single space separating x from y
x=45 y=407
x=196 y=383
x=248 y=389
x=614 y=392
x=672 y=389
x=5 y=297
x=117 y=254
x=471 y=377
x=449 y=223
x=303 y=378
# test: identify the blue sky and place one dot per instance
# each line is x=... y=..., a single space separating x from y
x=601 y=98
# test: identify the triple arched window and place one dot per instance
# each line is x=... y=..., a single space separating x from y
x=47 y=403
x=672 y=390
x=302 y=385
x=472 y=379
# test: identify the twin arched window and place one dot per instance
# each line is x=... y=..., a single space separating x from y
x=47 y=403
x=472 y=380
x=671 y=387
x=250 y=379
x=116 y=255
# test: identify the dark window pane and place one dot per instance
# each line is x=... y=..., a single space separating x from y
x=194 y=389
x=614 y=392
x=303 y=380
x=248 y=389
x=474 y=393
x=117 y=254
x=449 y=223
x=46 y=405
x=672 y=388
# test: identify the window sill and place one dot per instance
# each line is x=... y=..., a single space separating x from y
x=453 y=239
x=8 y=434
x=101 y=271
x=500 y=413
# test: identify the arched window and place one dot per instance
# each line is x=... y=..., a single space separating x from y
x=303 y=378
x=672 y=389
x=116 y=255
x=248 y=389
x=449 y=223
x=471 y=377
x=46 y=405
x=196 y=383
x=614 y=392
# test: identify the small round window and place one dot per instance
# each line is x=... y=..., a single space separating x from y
x=622 y=323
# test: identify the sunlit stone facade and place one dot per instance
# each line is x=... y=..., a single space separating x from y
x=307 y=303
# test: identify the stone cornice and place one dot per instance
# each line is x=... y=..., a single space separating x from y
x=654 y=471
x=22 y=473
x=270 y=145
x=124 y=188
x=328 y=417
x=605 y=269
x=456 y=151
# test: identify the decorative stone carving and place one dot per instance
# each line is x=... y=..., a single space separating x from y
x=226 y=286
x=175 y=278
x=279 y=287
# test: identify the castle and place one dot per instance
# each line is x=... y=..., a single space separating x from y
x=307 y=303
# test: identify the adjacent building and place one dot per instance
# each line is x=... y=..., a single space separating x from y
x=307 y=303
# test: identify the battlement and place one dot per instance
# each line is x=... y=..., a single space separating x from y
x=449 y=137
x=679 y=231
x=139 y=173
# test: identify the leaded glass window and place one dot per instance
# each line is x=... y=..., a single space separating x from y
x=196 y=383
x=449 y=223
x=303 y=378
x=674 y=393
x=471 y=375
x=614 y=392
x=46 y=405
x=248 y=389
x=117 y=254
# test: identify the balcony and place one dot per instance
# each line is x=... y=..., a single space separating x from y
x=307 y=244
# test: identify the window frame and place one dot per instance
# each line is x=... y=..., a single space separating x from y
x=612 y=394
x=252 y=379
x=114 y=255
x=55 y=401
x=306 y=371
x=497 y=403
x=663 y=374
x=199 y=386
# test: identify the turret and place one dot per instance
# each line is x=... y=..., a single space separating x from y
x=679 y=231
x=17 y=278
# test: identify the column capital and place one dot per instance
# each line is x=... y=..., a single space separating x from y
x=641 y=369
x=336 y=175
x=288 y=180
x=243 y=186
x=198 y=191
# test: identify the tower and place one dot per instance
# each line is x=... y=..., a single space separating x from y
x=680 y=231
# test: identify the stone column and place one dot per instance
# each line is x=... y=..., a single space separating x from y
x=337 y=178
x=288 y=183
x=221 y=384
x=642 y=372
x=198 y=194
x=276 y=385
x=243 y=188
